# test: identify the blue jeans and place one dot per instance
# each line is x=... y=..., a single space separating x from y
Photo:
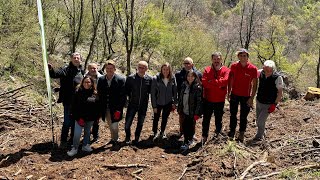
x=68 y=123
x=131 y=112
x=78 y=132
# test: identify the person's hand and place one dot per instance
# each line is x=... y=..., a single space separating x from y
x=173 y=108
x=196 y=117
x=250 y=102
x=272 y=108
x=49 y=66
x=81 y=122
x=155 y=110
x=228 y=97
x=116 y=115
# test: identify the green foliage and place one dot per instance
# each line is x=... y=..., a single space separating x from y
x=231 y=147
x=288 y=174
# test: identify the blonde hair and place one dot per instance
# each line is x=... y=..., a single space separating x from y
x=189 y=59
x=143 y=63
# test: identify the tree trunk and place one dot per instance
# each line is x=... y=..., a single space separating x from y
x=318 y=70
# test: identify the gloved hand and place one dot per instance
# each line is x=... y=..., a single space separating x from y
x=173 y=108
x=196 y=117
x=81 y=122
x=116 y=115
x=271 y=108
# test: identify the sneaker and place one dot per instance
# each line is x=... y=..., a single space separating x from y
x=72 y=152
x=156 y=136
x=185 y=147
x=86 y=148
x=127 y=141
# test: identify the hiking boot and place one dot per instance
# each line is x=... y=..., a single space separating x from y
x=72 y=152
x=86 y=148
x=231 y=135
x=184 y=147
x=241 y=137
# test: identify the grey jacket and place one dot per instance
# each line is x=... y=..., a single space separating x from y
x=162 y=94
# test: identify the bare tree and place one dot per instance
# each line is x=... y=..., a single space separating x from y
x=96 y=6
x=75 y=16
x=124 y=12
x=109 y=33
x=247 y=26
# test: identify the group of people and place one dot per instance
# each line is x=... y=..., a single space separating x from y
x=87 y=97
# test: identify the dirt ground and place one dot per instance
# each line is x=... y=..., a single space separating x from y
x=290 y=151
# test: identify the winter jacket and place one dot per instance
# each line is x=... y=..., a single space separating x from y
x=215 y=83
x=138 y=90
x=162 y=94
x=70 y=76
x=85 y=105
x=195 y=99
x=113 y=97
x=181 y=77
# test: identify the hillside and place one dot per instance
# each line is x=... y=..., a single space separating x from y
x=288 y=152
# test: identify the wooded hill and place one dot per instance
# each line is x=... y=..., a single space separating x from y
x=287 y=32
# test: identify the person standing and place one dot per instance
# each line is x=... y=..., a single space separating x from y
x=111 y=90
x=95 y=75
x=268 y=97
x=215 y=83
x=70 y=76
x=85 y=112
x=241 y=89
x=163 y=98
x=189 y=107
x=138 y=87
x=181 y=77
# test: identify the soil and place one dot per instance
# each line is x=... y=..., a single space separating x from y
x=27 y=151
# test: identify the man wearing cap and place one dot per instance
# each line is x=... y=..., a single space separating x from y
x=181 y=76
x=70 y=76
x=268 y=97
x=241 y=90
x=215 y=82
x=112 y=97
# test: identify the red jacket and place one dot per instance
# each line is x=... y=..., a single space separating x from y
x=215 y=83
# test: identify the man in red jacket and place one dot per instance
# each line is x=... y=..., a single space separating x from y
x=215 y=82
x=242 y=89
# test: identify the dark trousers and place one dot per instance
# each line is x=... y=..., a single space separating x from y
x=244 y=111
x=165 y=114
x=68 y=123
x=208 y=109
x=188 y=126
x=131 y=112
x=95 y=129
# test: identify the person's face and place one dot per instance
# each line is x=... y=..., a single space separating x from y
x=76 y=60
x=243 y=57
x=92 y=70
x=187 y=65
x=268 y=70
x=190 y=78
x=110 y=69
x=216 y=60
x=165 y=71
x=142 y=69
x=87 y=83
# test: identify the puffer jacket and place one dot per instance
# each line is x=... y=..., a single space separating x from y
x=195 y=99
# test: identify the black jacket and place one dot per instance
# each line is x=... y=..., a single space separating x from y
x=70 y=76
x=181 y=76
x=195 y=99
x=85 y=105
x=138 y=90
x=267 y=90
x=113 y=96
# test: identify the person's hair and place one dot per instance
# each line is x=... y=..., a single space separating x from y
x=93 y=84
x=143 y=63
x=76 y=53
x=110 y=62
x=92 y=64
x=189 y=59
x=170 y=70
x=196 y=77
x=216 y=54
x=270 y=63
